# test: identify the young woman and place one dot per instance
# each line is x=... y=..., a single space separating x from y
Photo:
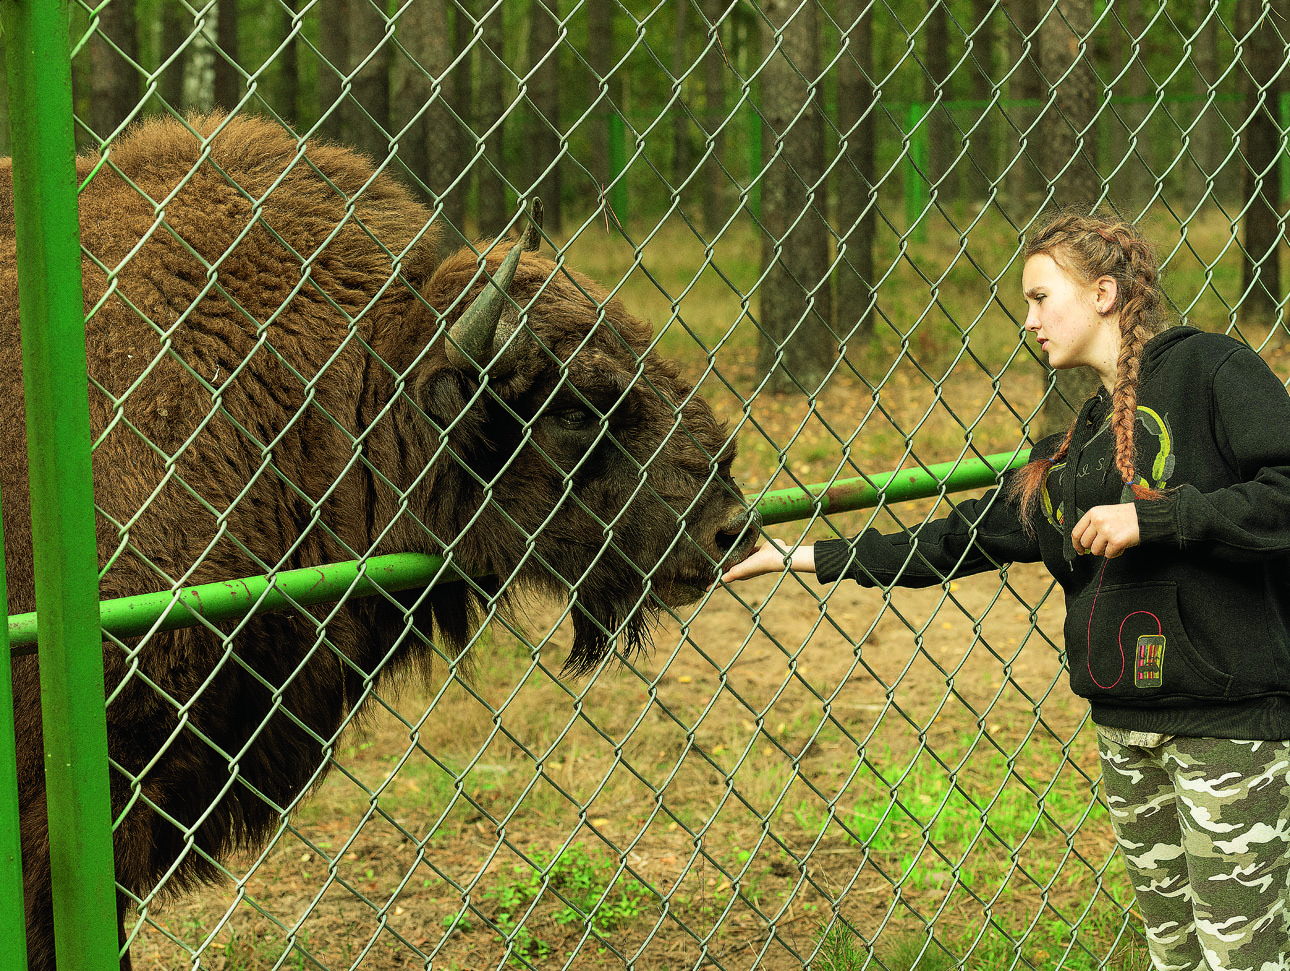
x=1175 y=479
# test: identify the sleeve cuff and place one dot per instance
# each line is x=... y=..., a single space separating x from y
x=836 y=558
x=1156 y=519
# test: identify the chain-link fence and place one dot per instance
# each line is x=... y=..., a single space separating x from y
x=553 y=746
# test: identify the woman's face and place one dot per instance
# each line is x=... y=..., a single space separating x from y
x=1071 y=320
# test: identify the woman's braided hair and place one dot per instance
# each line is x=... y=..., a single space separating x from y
x=1087 y=248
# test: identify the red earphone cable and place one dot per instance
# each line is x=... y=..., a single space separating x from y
x=1088 y=642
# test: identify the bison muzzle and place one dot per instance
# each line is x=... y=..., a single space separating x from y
x=283 y=372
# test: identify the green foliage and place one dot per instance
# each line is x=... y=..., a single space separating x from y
x=232 y=950
x=457 y=922
x=1050 y=944
x=837 y=949
x=574 y=890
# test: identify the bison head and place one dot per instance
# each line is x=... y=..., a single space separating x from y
x=586 y=466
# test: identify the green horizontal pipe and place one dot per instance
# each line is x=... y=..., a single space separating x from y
x=231 y=600
x=846 y=495
x=234 y=599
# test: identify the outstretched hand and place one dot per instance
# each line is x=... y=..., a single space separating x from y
x=771 y=558
x=1107 y=530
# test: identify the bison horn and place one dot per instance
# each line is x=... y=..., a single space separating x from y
x=472 y=340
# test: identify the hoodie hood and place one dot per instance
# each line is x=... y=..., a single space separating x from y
x=1158 y=349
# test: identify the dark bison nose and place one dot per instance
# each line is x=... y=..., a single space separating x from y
x=738 y=536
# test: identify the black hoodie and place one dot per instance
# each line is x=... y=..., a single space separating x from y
x=1189 y=632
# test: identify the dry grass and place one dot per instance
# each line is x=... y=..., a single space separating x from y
x=733 y=805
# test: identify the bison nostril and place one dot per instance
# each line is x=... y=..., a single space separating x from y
x=742 y=527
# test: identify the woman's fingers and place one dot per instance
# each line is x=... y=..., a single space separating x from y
x=1107 y=530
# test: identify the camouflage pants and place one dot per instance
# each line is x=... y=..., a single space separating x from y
x=1204 y=825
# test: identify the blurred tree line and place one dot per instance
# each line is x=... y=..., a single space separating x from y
x=825 y=122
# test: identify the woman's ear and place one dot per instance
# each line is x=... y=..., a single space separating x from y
x=1105 y=292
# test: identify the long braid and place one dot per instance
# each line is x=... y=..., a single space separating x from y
x=1088 y=248
x=1139 y=322
x=1029 y=479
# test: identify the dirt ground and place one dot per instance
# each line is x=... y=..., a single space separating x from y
x=715 y=796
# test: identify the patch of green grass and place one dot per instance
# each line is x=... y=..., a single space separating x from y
x=232 y=949
x=838 y=949
x=1047 y=945
x=574 y=890
x=970 y=825
x=969 y=789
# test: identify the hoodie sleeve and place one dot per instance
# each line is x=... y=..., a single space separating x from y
x=979 y=535
x=1250 y=520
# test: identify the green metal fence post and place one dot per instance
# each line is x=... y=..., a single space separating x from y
x=58 y=437
x=232 y=600
x=917 y=194
x=13 y=922
x=1283 y=117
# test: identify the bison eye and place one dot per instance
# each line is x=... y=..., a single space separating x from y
x=575 y=419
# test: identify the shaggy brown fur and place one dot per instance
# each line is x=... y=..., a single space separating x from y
x=267 y=392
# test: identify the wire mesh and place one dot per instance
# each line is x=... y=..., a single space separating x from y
x=820 y=208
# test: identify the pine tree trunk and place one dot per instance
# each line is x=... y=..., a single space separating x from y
x=796 y=345
x=493 y=210
x=1070 y=158
x=1135 y=182
x=855 y=192
x=1025 y=89
x=1206 y=138
x=175 y=25
x=455 y=203
x=333 y=45
x=286 y=87
x=114 y=82
x=941 y=140
x=419 y=32
x=228 y=78
x=542 y=146
x=682 y=150
x=600 y=57
x=714 y=183
x=372 y=81
x=429 y=137
x=1070 y=148
x=1265 y=58
x=981 y=136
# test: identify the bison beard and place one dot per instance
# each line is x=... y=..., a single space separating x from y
x=284 y=373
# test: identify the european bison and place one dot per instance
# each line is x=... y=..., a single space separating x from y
x=284 y=373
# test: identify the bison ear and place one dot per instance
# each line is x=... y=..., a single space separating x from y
x=474 y=338
x=532 y=238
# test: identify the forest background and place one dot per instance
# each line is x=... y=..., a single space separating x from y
x=828 y=128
